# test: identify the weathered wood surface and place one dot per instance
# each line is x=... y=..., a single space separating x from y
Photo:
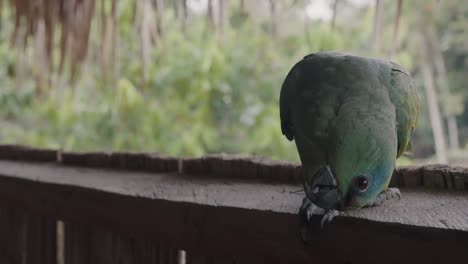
x=252 y=221
x=239 y=167
x=86 y=244
x=26 y=238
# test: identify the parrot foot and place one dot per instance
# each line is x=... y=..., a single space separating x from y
x=388 y=194
x=309 y=209
x=328 y=216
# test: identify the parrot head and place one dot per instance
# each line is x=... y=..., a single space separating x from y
x=360 y=167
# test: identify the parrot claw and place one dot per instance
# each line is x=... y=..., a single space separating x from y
x=328 y=216
x=309 y=209
x=388 y=194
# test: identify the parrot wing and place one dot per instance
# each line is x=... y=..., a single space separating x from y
x=404 y=97
x=285 y=111
x=307 y=105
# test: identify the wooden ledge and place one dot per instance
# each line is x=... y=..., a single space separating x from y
x=239 y=167
x=254 y=221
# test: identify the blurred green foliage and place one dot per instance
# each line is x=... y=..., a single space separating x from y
x=204 y=95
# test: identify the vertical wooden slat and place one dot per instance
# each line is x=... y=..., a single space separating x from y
x=11 y=231
x=182 y=257
x=26 y=238
x=84 y=244
x=76 y=244
x=40 y=237
x=168 y=255
x=60 y=237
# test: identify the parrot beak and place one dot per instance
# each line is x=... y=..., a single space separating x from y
x=323 y=191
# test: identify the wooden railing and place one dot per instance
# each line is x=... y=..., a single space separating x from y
x=86 y=208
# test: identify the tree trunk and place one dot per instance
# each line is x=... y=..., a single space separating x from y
x=134 y=11
x=106 y=41
x=445 y=90
x=80 y=43
x=395 y=29
x=432 y=103
x=41 y=73
x=184 y=15
x=160 y=17
x=145 y=10
x=454 y=143
x=1 y=15
x=222 y=19
x=377 y=25
x=65 y=27
x=242 y=6
x=115 y=42
x=180 y=7
x=335 y=9
x=274 y=19
x=210 y=15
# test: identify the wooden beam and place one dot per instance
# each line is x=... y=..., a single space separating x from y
x=253 y=221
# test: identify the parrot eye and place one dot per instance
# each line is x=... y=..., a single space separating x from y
x=361 y=183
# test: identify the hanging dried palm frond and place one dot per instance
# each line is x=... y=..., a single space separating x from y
x=40 y=19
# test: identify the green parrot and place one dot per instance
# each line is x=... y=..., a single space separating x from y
x=351 y=117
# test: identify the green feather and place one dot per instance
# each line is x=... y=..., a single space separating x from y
x=353 y=113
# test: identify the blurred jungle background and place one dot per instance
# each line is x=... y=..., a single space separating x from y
x=190 y=77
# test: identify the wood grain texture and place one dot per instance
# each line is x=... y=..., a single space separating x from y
x=86 y=244
x=232 y=166
x=252 y=221
x=243 y=167
x=18 y=152
x=26 y=238
x=11 y=236
x=121 y=160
